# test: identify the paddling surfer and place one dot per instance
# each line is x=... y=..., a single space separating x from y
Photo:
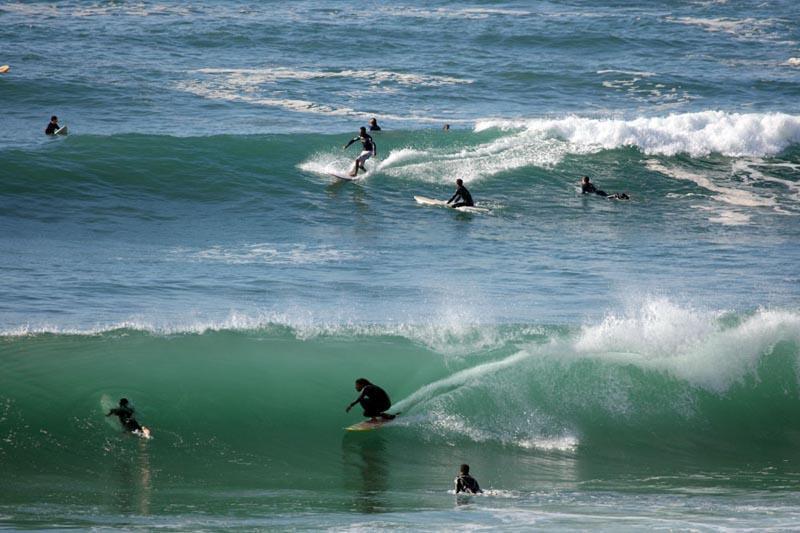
x=368 y=150
x=587 y=187
x=125 y=413
x=462 y=195
x=373 y=400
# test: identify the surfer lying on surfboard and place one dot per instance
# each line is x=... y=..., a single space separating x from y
x=125 y=413
x=373 y=400
x=368 y=150
x=462 y=194
x=587 y=187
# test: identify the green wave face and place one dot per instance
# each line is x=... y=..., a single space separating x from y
x=265 y=407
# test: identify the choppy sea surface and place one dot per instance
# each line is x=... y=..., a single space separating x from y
x=613 y=365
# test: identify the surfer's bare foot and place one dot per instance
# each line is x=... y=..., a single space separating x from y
x=352 y=174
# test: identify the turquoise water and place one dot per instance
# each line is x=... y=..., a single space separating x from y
x=600 y=364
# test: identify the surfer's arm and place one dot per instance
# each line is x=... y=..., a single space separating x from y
x=351 y=142
x=354 y=402
x=453 y=197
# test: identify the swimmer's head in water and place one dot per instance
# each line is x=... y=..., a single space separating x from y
x=123 y=401
x=585 y=179
x=464 y=469
x=361 y=383
x=373 y=121
x=54 y=119
x=459 y=182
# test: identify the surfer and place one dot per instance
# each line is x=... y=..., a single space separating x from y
x=373 y=400
x=587 y=187
x=125 y=413
x=52 y=127
x=368 y=150
x=466 y=483
x=462 y=194
x=373 y=124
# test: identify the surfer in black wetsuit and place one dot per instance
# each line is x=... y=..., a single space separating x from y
x=466 y=483
x=462 y=194
x=125 y=413
x=587 y=187
x=368 y=150
x=373 y=124
x=52 y=126
x=373 y=400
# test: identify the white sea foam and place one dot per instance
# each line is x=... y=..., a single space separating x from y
x=640 y=74
x=691 y=344
x=470 y=13
x=729 y=195
x=696 y=134
x=746 y=28
x=137 y=9
x=277 y=87
x=443 y=165
x=265 y=253
x=793 y=62
x=257 y=76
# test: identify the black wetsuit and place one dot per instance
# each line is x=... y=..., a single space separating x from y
x=125 y=415
x=51 y=129
x=374 y=128
x=590 y=188
x=587 y=188
x=462 y=194
x=366 y=143
x=374 y=400
x=467 y=483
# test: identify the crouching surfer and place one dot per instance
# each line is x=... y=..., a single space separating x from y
x=587 y=187
x=125 y=412
x=373 y=400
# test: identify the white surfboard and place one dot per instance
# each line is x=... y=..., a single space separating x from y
x=424 y=200
x=61 y=131
x=345 y=178
x=4 y=69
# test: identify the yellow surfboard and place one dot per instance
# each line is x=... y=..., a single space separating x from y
x=368 y=425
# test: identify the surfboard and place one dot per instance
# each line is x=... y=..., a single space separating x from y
x=4 y=69
x=368 y=425
x=145 y=433
x=61 y=131
x=424 y=200
x=345 y=178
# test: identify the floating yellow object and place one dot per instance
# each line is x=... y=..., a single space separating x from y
x=4 y=69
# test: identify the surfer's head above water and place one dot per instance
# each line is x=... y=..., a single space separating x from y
x=361 y=383
x=123 y=401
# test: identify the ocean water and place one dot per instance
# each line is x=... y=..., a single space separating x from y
x=613 y=365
